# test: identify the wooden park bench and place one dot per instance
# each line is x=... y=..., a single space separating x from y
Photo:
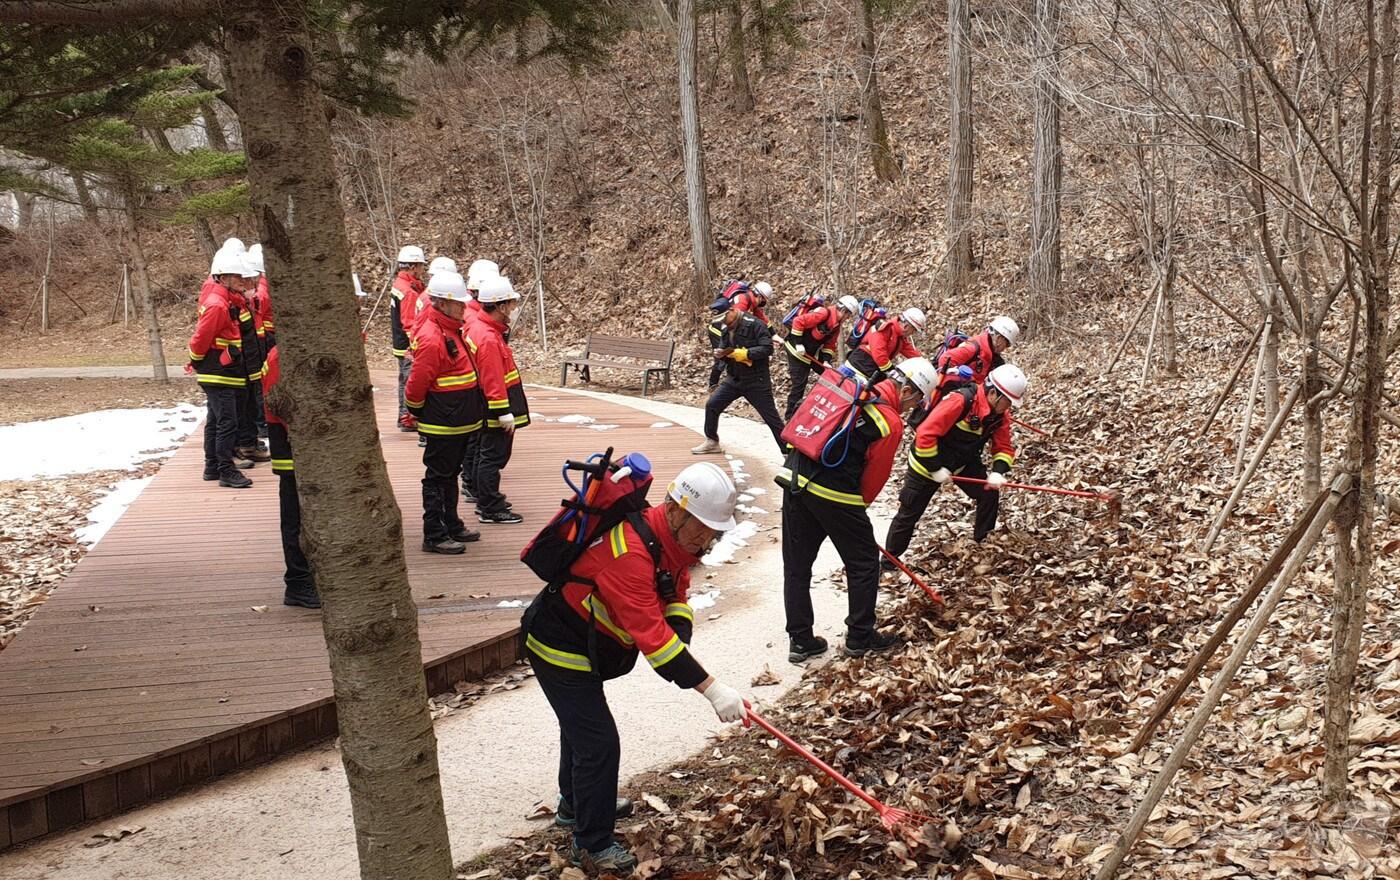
x=647 y=356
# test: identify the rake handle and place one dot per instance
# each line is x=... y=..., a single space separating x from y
x=821 y=765
x=932 y=593
x=1030 y=427
x=1074 y=493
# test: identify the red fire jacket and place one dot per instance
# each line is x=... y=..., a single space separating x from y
x=882 y=343
x=216 y=346
x=976 y=352
x=442 y=390
x=812 y=332
x=278 y=443
x=497 y=371
x=747 y=301
x=402 y=307
x=262 y=314
x=866 y=468
x=952 y=436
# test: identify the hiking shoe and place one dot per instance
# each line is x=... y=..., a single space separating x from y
x=500 y=517
x=878 y=643
x=253 y=453
x=449 y=546
x=614 y=859
x=243 y=464
x=466 y=536
x=301 y=598
x=806 y=648
x=886 y=566
x=709 y=447
x=564 y=815
x=234 y=480
x=211 y=476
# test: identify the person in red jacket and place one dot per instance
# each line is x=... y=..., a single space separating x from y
x=477 y=274
x=811 y=343
x=950 y=441
x=626 y=596
x=443 y=395
x=506 y=408
x=821 y=501
x=403 y=298
x=981 y=353
x=300 y=588
x=889 y=337
x=216 y=359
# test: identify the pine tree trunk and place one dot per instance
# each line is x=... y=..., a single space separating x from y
x=85 y=200
x=959 y=231
x=351 y=526
x=872 y=113
x=213 y=128
x=739 y=58
x=1047 y=168
x=142 y=279
x=1349 y=608
x=702 y=247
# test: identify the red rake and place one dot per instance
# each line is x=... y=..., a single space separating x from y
x=1074 y=493
x=932 y=593
x=893 y=819
x=1041 y=431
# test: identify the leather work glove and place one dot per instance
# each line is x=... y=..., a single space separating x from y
x=189 y=369
x=996 y=480
x=728 y=703
x=942 y=475
x=507 y=423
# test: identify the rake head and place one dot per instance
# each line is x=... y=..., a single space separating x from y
x=902 y=822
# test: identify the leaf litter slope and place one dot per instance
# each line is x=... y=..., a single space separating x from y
x=1008 y=714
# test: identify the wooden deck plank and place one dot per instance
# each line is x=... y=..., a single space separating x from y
x=156 y=675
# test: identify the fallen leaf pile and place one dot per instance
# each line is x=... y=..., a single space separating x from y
x=467 y=693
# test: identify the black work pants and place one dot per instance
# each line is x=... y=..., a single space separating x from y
x=589 y=751
x=807 y=522
x=442 y=464
x=298 y=576
x=919 y=490
x=716 y=373
x=798 y=373
x=758 y=392
x=259 y=408
x=491 y=458
x=247 y=416
x=220 y=428
x=469 y=463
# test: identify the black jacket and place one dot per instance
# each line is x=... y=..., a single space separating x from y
x=751 y=337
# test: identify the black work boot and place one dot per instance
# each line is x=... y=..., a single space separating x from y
x=253 y=453
x=446 y=545
x=875 y=643
x=466 y=536
x=210 y=476
x=564 y=815
x=301 y=597
x=802 y=648
x=232 y=479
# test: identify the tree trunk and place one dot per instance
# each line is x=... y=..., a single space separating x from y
x=1047 y=169
x=137 y=255
x=739 y=58
x=1312 y=423
x=84 y=192
x=351 y=526
x=959 y=231
x=871 y=111
x=202 y=232
x=1271 y=340
x=1349 y=609
x=213 y=128
x=1169 y=318
x=702 y=246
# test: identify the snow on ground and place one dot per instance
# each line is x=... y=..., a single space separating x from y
x=577 y=420
x=751 y=510
x=110 y=439
x=705 y=600
x=729 y=544
x=662 y=424
x=512 y=603
x=110 y=508
x=602 y=427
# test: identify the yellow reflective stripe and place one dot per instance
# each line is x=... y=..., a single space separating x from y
x=917 y=467
x=220 y=341
x=282 y=464
x=399 y=352
x=258 y=375
x=886 y=365
x=805 y=484
x=798 y=352
x=964 y=426
x=262 y=331
x=879 y=419
x=245 y=315
x=471 y=344
x=1006 y=457
x=520 y=422
x=667 y=652
x=556 y=657
x=396 y=293
x=926 y=451
x=600 y=614
x=680 y=609
x=497 y=404
x=448 y=430
x=215 y=379
x=453 y=381
x=195 y=357
x=416 y=404
x=715 y=331
x=512 y=376
x=618 y=541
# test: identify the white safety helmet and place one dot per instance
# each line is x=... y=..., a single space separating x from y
x=849 y=303
x=411 y=253
x=233 y=244
x=250 y=269
x=254 y=256
x=1006 y=328
x=441 y=264
x=479 y=271
x=1010 y=381
x=228 y=262
x=914 y=317
x=763 y=289
x=448 y=285
x=919 y=371
x=495 y=289
x=706 y=492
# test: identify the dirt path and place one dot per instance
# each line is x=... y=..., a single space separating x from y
x=292 y=817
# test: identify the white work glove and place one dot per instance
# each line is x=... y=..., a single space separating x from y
x=942 y=475
x=728 y=703
x=996 y=480
x=507 y=423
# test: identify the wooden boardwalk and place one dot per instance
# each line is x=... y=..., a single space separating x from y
x=143 y=674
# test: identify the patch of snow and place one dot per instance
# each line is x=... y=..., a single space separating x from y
x=730 y=542
x=110 y=508
x=602 y=427
x=751 y=511
x=746 y=497
x=756 y=490
x=577 y=420
x=736 y=465
x=662 y=424
x=110 y=439
x=512 y=603
x=705 y=600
